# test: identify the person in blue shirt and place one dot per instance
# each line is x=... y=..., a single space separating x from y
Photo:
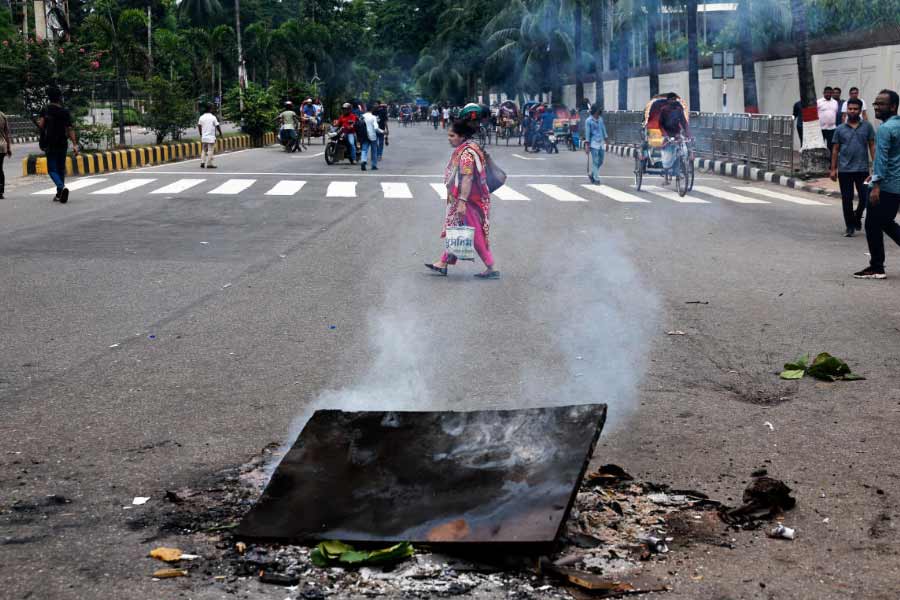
x=884 y=198
x=595 y=137
x=547 y=120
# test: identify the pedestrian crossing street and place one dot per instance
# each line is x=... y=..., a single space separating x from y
x=738 y=193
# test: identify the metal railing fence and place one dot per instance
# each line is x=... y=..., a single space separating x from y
x=764 y=141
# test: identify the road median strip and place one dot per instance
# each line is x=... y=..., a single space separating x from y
x=739 y=171
x=90 y=163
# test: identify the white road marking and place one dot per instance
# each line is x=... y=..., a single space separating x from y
x=556 y=192
x=781 y=196
x=440 y=189
x=233 y=186
x=178 y=186
x=394 y=189
x=528 y=157
x=341 y=189
x=75 y=185
x=507 y=193
x=670 y=195
x=615 y=194
x=125 y=186
x=286 y=188
x=728 y=195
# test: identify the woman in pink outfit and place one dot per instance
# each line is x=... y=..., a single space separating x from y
x=468 y=197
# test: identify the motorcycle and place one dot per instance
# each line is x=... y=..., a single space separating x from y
x=338 y=147
x=290 y=143
x=543 y=140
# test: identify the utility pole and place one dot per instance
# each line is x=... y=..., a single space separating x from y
x=241 y=72
x=25 y=20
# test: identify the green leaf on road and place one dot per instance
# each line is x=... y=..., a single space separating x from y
x=798 y=365
x=334 y=552
x=792 y=373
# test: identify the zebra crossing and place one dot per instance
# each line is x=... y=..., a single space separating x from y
x=400 y=190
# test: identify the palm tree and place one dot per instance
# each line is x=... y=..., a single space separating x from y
x=625 y=17
x=222 y=47
x=201 y=13
x=814 y=159
x=123 y=37
x=598 y=24
x=534 y=39
x=751 y=104
x=693 y=57
x=259 y=46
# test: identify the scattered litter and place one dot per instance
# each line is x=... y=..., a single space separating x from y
x=226 y=286
x=825 y=367
x=171 y=554
x=668 y=499
x=173 y=497
x=697 y=302
x=608 y=475
x=332 y=552
x=169 y=573
x=780 y=531
x=676 y=332
x=151 y=337
x=205 y=243
x=240 y=547
x=826 y=520
x=769 y=425
x=577 y=358
x=655 y=544
x=278 y=578
x=764 y=498
x=139 y=500
x=114 y=346
x=332 y=327
x=282 y=256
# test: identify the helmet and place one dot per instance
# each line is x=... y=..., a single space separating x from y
x=288 y=103
x=346 y=105
x=470 y=112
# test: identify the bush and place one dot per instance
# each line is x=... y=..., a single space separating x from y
x=96 y=137
x=169 y=110
x=131 y=116
x=260 y=110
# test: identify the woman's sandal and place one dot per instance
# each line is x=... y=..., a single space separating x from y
x=488 y=275
x=441 y=270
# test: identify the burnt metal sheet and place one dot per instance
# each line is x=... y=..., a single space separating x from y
x=505 y=476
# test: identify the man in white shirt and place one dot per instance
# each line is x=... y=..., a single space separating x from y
x=828 y=110
x=446 y=117
x=854 y=93
x=370 y=142
x=208 y=126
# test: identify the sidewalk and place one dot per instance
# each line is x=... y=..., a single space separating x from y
x=12 y=167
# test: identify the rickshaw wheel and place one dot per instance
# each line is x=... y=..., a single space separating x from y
x=690 y=174
x=638 y=171
x=681 y=180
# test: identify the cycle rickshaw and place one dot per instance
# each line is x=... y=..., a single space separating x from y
x=648 y=159
x=509 y=123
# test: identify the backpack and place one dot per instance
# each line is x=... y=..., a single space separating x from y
x=362 y=131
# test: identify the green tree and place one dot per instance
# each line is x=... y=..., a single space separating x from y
x=169 y=111
x=260 y=110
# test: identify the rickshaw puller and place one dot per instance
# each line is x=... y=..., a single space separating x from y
x=673 y=123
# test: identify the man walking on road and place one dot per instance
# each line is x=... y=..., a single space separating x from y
x=828 y=109
x=381 y=112
x=5 y=149
x=369 y=141
x=56 y=130
x=208 y=125
x=884 y=199
x=854 y=142
x=595 y=140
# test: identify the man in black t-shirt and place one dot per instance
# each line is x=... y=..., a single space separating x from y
x=380 y=111
x=56 y=129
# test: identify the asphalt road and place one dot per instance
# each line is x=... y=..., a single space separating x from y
x=169 y=323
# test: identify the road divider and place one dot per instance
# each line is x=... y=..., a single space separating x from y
x=90 y=163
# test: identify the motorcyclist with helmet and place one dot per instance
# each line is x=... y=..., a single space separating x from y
x=347 y=123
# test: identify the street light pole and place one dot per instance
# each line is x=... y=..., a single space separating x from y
x=237 y=21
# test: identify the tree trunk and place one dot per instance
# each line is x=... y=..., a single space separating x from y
x=598 y=23
x=693 y=57
x=814 y=159
x=579 y=77
x=751 y=103
x=622 y=63
x=119 y=106
x=652 y=58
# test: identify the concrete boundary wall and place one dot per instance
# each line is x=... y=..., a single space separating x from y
x=869 y=69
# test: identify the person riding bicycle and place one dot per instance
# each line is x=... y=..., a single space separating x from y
x=289 y=123
x=347 y=123
x=673 y=123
